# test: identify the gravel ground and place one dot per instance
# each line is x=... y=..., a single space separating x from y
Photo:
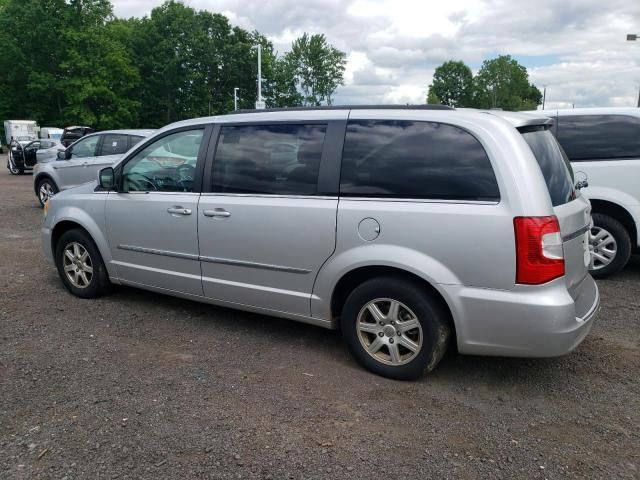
x=138 y=385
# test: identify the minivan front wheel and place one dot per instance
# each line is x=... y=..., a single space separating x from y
x=395 y=328
x=80 y=265
x=610 y=245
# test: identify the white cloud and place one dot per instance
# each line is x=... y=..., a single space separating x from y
x=576 y=48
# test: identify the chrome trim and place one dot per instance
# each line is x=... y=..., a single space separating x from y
x=576 y=234
x=263 y=266
x=164 y=253
x=417 y=200
x=266 y=195
x=222 y=261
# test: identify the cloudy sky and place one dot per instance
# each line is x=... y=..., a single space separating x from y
x=576 y=48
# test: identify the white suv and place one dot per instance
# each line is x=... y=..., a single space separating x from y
x=604 y=144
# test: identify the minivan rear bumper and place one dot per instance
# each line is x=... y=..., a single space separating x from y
x=528 y=321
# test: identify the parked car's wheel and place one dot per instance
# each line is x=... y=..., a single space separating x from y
x=610 y=245
x=13 y=169
x=395 y=328
x=46 y=189
x=80 y=265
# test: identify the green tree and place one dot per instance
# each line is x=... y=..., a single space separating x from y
x=318 y=66
x=452 y=84
x=65 y=62
x=503 y=83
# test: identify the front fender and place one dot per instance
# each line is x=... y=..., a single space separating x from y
x=412 y=261
x=90 y=217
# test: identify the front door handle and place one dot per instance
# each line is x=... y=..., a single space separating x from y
x=218 y=212
x=177 y=210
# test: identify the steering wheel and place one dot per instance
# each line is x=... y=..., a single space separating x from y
x=187 y=172
x=142 y=184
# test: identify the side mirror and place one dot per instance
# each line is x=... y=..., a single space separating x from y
x=64 y=154
x=107 y=179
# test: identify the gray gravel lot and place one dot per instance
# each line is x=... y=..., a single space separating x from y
x=137 y=385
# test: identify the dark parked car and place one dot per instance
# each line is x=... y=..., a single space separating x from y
x=71 y=134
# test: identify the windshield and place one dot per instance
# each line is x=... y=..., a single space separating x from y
x=554 y=165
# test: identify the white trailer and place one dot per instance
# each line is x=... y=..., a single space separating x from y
x=20 y=130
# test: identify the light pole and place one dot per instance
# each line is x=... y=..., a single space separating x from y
x=235 y=98
x=632 y=37
x=259 y=103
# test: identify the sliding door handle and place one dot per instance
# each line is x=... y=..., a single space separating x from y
x=218 y=212
x=177 y=210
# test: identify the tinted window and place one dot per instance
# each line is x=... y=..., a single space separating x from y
x=114 y=144
x=599 y=137
x=162 y=166
x=85 y=147
x=268 y=159
x=553 y=164
x=415 y=160
x=135 y=139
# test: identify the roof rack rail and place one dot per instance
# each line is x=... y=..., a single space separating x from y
x=348 y=107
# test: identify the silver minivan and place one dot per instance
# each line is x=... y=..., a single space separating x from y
x=81 y=161
x=413 y=230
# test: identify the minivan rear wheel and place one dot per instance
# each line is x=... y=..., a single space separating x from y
x=610 y=245
x=395 y=328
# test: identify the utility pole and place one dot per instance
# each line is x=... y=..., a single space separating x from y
x=235 y=98
x=544 y=96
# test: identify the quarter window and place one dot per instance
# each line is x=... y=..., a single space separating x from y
x=409 y=159
x=599 y=137
x=268 y=159
x=166 y=165
x=114 y=144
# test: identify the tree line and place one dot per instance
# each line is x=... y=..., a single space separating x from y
x=72 y=62
x=500 y=83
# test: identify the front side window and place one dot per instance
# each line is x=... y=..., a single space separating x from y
x=114 y=144
x=268 y=159
x=166 y=165
x=599 y=137
x=407 y=159
x=85 y=148
x=553 y=164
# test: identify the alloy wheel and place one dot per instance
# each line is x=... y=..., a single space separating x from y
x=77 y=265
x=389 y=331
x=603 y=247
x=45 y=192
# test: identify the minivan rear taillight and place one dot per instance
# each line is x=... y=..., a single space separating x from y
x=539 y=254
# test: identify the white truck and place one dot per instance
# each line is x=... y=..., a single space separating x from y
x=22 y=131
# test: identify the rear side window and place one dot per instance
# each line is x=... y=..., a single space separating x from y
x=553 y=164
x=407 y=159
x=135 y=139
x=268 y=159
x=599 y=137
x=114 y=144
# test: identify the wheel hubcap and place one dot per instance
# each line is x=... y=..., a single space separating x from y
x=603 y=247
x=389 y=331
x=77 y=265
x=46 y=192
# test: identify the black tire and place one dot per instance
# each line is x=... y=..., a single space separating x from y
x=41 y=183
x=623 y=244
x=98 y=283
x=428 y=310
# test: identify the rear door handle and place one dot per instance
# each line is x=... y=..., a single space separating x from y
x=177 y=210
x=218 y=212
